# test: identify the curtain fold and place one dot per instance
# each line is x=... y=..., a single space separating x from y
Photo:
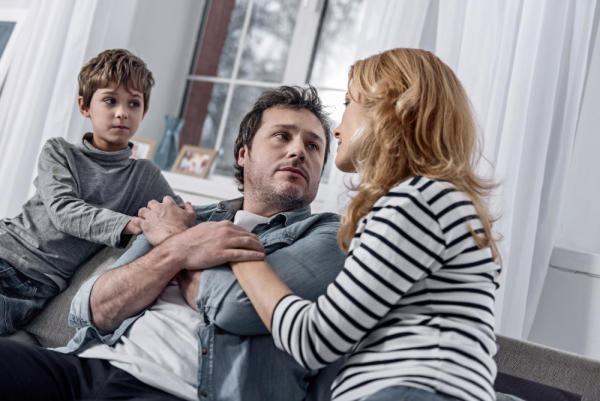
x=26 y=97
x=39 y=97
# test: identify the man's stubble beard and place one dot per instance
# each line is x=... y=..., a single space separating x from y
x=285 y=200
x=277 y=198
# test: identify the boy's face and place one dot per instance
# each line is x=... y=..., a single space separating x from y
x=116 y=113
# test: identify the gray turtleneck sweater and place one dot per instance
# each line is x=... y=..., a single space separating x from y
x=84 y=200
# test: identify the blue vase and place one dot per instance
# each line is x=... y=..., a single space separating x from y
x=169 y=144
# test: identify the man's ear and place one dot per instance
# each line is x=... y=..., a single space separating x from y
x=242 y=154
x=85 y=111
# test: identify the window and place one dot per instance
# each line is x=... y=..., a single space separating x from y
x=247 y=46
x=9 y=25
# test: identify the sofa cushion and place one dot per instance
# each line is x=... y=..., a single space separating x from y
x=50 y=327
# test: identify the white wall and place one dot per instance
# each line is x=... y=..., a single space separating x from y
x=164 y=34
x=580 y=228
x=14 y=3
x=568 y=316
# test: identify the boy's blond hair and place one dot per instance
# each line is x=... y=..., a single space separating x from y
x=117 y=66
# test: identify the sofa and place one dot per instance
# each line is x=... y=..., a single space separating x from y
x=526 y=370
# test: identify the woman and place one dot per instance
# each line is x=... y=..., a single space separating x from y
x=413 y=305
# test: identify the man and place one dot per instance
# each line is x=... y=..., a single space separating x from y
x=149 y=326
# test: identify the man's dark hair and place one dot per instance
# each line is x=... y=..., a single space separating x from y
x=294 y=97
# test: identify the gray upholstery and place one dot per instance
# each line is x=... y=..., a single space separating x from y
x=549 y=366
x=49 y=328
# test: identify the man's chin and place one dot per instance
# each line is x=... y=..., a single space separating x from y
x=292 y=198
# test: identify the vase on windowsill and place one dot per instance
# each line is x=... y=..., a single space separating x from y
x=167 y=150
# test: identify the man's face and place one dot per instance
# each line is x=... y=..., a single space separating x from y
x=284 y=166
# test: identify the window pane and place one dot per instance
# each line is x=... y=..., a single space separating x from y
x=336 y=49
x=266 y=44
x=242 y=101
x=202 y=113
x=214 y=112
x=6 y=29
x=268 y=39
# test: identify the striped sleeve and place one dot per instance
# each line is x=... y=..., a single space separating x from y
x=399 y=244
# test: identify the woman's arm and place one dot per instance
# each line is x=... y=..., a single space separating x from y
x=376 y=275
x=262 y=286
x=305 y=273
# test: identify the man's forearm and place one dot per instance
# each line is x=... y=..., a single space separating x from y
x=127 y=290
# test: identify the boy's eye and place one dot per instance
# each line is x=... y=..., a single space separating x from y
x=110 y=100
x=134 y=103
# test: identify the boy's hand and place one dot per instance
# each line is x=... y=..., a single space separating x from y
x=133 y=227
x=159 y=220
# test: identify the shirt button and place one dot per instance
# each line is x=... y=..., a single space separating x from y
x=204 y=351
x=203 y=394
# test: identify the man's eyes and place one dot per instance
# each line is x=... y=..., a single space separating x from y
x=284 y=136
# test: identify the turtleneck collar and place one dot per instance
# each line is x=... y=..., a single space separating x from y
x=117 y=157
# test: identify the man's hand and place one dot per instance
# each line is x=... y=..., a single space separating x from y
x=215 y=243
x=159 y=220
x=189 y=284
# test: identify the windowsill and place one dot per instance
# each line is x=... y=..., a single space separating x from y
x=215 y=187
x=575 y=261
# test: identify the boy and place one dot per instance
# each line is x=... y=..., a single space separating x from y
x=85 y=194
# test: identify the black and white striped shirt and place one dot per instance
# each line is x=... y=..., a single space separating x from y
x=412 y=306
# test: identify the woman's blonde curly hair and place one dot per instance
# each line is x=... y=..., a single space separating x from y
x=419 y=123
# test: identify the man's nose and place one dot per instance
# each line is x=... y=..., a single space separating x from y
x=296 y=149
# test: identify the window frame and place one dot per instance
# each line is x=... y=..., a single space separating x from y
x=297 y=71
x=16 y=15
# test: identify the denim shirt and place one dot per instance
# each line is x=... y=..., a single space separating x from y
x=237 y=359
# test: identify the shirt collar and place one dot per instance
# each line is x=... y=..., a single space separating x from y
x=287 y=217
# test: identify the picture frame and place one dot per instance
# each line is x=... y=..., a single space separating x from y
x=143 y=148
x=194 y=160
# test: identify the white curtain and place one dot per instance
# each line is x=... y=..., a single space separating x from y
x=523 y=64
x=38 y=100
